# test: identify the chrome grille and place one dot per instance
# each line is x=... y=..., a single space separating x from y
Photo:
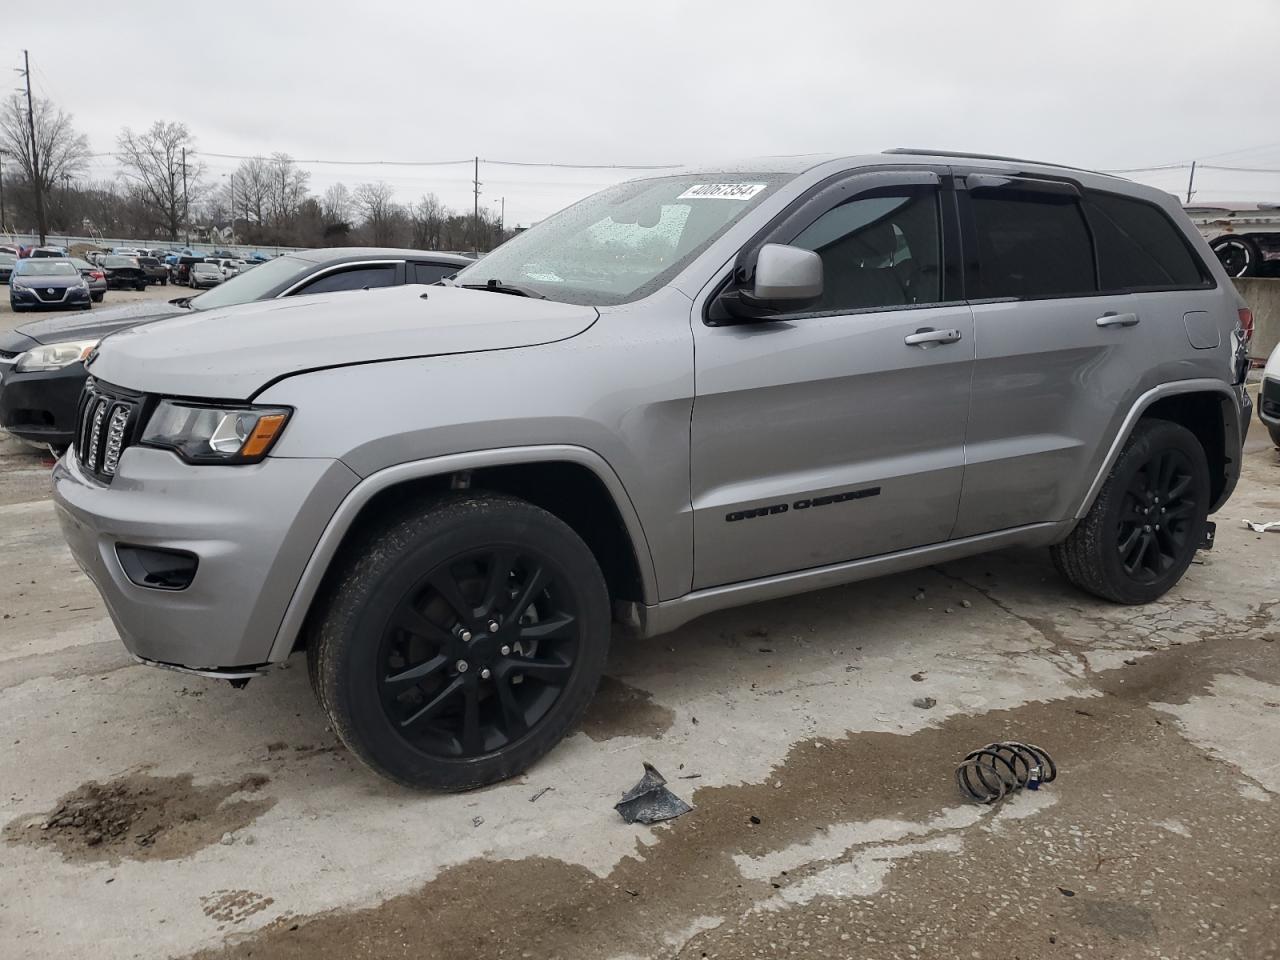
x=104 y=429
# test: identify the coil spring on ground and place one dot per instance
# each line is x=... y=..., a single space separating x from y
x=998 y=769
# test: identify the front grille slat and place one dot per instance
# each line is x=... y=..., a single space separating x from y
x=104 y=430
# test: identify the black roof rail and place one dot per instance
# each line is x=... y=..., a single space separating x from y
x=960 y=155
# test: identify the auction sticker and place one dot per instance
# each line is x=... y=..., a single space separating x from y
x=722 y=191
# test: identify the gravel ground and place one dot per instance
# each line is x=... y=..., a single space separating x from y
x=150 y=814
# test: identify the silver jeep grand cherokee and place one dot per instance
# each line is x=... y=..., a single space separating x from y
x=681 y=394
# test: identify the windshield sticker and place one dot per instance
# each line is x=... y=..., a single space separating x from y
x=722 y=191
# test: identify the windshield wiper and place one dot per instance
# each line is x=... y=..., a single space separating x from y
x=184 y=302
x=497 y=286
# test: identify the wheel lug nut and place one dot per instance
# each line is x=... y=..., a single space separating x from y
x=461 y=666
x=465 y=636
x=505 y=650
x=484 y=674
x=493 y=626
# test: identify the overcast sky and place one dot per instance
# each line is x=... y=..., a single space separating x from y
x=1100 y=84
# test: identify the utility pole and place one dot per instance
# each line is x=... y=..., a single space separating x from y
x=1191 y=181
x=35 y=154
x=1 y=191
x=186 y=222
x=475 y=213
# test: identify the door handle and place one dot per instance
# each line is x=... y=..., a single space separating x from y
x=1117 y=320
x=927 y=335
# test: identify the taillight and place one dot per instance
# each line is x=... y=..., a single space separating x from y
x=98 y=275
x=1246 y=323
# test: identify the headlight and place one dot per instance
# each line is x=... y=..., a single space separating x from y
x=206 y=434
x=54 y=356
x=18 y=283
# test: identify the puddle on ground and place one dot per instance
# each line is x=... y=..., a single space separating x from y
x=621 y=710
x=141 y=817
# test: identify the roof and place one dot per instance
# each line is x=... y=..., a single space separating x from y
x=338 y=254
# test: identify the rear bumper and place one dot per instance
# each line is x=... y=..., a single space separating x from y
x=252 y=528
x=41 y=407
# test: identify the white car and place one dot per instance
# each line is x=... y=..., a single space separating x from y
x=230 y=268
x=1269 y=396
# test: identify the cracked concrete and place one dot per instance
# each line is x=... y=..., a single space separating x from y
x=1161 y=827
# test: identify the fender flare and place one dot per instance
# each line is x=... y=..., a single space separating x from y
x=1174 y=388
x=347 y=511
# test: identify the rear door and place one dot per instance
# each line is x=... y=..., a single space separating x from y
x=1063 y=347
x=837 y=432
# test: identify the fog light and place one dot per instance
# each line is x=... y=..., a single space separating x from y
x=157 y=568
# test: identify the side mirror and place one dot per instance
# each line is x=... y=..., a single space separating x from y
x=786 y=278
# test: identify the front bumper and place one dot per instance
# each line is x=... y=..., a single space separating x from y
x=25 y=298
x=41 y=406
x=1269 y=406
x=252 y=528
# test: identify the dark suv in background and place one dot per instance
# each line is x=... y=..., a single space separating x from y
x=38 y=399
x=154 y=270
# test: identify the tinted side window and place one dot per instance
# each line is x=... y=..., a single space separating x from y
x=1031 y=246
x=878 y=251
x=1138 y=247
x=431 y=272
x=357 y=278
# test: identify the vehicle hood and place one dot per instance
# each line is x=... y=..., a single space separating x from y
x=99 y=322
x=234 y=352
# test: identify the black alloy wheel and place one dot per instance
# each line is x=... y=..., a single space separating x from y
x=1157 y=514
x=478 y=651
x=461 y=641
x=1143 y=529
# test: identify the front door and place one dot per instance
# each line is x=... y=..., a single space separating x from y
x=838 y=432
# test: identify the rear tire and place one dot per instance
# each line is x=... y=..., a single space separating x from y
x=463 y=643
x=1142 y=532
x=97 y=297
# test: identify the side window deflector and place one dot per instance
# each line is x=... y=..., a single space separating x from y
x=995 y=181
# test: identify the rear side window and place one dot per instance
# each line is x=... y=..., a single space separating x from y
x=1138 y=247
x=431 y=272
x=1031 y=246
x=357 y=278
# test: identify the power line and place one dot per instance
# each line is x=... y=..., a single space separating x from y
x=439 y=163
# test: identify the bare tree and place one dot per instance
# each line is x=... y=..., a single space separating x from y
x=163 y=173
x=427 y=218
x=287 y=188
x=382 y=216
x=336 y=205
x=60 y=152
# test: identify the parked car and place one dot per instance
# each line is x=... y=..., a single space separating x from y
x=204 y=275
x=94 y=276
x=180 y=268
x=39 y=404
x=154 y=270
x=1269 y=397
x=229 y=268
x=49 y=252
x=123 y=273
x=47 y=284
x=7 y=261
x=680 y=394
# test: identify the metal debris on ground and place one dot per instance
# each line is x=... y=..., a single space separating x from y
x=998 y=769
x=924 y=703
x=1273 y=526
x=649 y=801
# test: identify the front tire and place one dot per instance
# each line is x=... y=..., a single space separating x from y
x=1142 y=532
x=463 y=643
